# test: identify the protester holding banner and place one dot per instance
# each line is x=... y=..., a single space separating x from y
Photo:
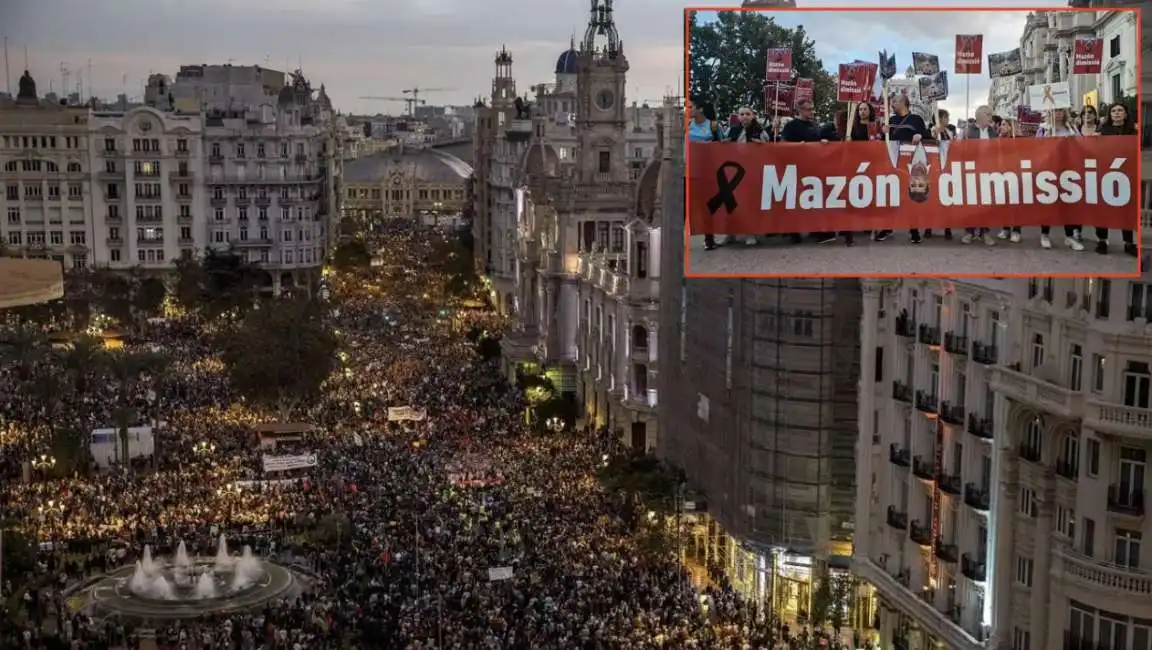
x=1059 y=127
x=1006 y=128
x=905 y=126
x=1118 y=123
x=704 y=127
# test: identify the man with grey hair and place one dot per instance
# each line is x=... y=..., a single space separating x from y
x=983 y=128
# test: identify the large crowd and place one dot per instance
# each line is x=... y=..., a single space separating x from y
x=410 y=567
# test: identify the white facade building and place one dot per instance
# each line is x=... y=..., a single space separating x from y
x=148 y=199
x=1118 y=30
x=1005 y=429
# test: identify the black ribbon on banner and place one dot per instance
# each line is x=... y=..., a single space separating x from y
x=725 y=187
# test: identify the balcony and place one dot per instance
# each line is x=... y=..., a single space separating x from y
x=896 y=519
x=1029 y=453
x=110 y=153
x=920 y=533
x=899 y=457
x=150 y=218
x=301 y=158
x=956 y=344
x=242 y=201
x=929 y=335
x=1036 y=392
x=218 y=201
x=981 y=427
x=950 y=484
x=181 y=176
x=114 y=241
x=215 y=158
x=1119 y=420
x=987 y=355
x=183 y=197
x=973 y=569
x=977 y=498
x=263 y=201
x=952 y=413
x=182 y=153
x=1117 y=581
x=148 y=198
x=155 y=241
x=112 y=218
x=923 y=468
x=111 y=176
x=949 y=553
x=927 y=402
x=905 y=327
x=1125 y=500
x=901 y=392
x=183 y=218
x=1067 y=469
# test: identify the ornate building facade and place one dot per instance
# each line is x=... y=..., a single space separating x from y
x=405 y=182
x=1005 y=430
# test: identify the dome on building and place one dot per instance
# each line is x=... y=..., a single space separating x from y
x=424 y=165
x=566 y=64
x=540 y=160
x=287 y=97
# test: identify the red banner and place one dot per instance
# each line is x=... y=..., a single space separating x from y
x=1028 y=121
x=805 y=90
x=780 y=99
x=837 y=186
x=855 y=81
x=969 y=53
x=779 y=64
x=1087 y=55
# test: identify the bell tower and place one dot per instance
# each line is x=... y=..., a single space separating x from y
x=602 y=113
x=503 y=87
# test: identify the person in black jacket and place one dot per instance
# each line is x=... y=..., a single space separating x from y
x=905 y=126
x=803 y=128
x=1118 y=123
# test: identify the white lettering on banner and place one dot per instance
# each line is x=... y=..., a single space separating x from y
x=266 y=483
x=400 y=413
x=285 y=463
x=495 y=574
x=828 y=192
x=960 y=185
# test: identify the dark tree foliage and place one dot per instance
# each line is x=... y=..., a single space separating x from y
x=728 y=58
x=642 y=475
x=125 y=368
x=217 y=283
x=18 y=555
x=149 y=297
x=351 y=254
x=281 y=354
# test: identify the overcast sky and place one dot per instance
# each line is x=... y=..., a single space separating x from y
x=363 y=47
x=905 y=32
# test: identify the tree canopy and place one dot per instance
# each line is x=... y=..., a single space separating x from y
x=280 y=354
x=216 y=283
x=728 y=58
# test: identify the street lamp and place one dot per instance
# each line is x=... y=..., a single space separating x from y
x=44 y=462
x=203 y=447
x=554 y=424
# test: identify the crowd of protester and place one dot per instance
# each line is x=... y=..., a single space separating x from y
x=904 y=125
x=409 y=565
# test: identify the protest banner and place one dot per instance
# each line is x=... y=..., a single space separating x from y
x=780 y=99
x=805 y=90
x=288 y=462
x=925 y=64
x=1047 y=97
x=855 y=81
x=934 y=87
x=402 y=413
x=860 y=186
x=779 y=66
x=498 y=573
x=1028 y=121
x=910 y=88
x=1087 y=55
x=1005 y=64
x=969 y=53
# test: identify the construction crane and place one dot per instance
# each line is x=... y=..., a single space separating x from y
x=415 y=92
x=409 y=102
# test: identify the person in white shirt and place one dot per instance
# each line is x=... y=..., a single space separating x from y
x=1060 y=126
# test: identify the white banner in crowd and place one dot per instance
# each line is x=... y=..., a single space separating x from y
x=401 y=413
x=1047 y=97
x=255 y=484
x=498 y=573
x=285 y=463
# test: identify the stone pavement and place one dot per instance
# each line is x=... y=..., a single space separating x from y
x=778 y=256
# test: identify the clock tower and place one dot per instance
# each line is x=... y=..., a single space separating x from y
x=601 y=114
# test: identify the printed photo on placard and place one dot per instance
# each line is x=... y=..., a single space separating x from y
x=815 y=154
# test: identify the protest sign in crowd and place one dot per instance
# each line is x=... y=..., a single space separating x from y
x=456 y=526
x=891 y=158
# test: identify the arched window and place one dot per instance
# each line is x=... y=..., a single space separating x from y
x=74 y=168
x=51 y=166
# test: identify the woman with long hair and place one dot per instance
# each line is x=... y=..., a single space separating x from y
x=1089 y=120
x=1059 y=126
x=1007 y=129
x=864 y=128
x=703 y=127
x=1119 y=122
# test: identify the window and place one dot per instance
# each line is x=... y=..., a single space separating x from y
x=260 y=150
x=215 y=150
x=185 y=233
x=1139 y=301
x=218 y=214
x=1127 y=552
x=1024 y=570
x=878 y=373
x=1104 y=298
x=262 y=214
x=1137 y=384
x=1092 y=457
x=1028 y=505
x=1037 y=350
x=56 y=238
x=286 y=214
x=80 y=261
x=114 y=233
x=286 y=235
x=114 y=255
x=218 y=236
x=1034 y=436
x=243 y=234
x=1066 y=522
x=13 y=192
x=1089 y=542
x=1098 y=364
x=1075 y=367
x=77 y=237
x=240 y=153
x=109 y=144
x=14 y=215
x=15 y=238
x=242 y=213
x=802 y=324
x=141 y=256
x=1070 y=454
x=75 y=191
x=1021 y=639
x=605 y=162
x=182 y=145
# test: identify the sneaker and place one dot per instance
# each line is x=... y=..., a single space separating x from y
x=881 y=235
x=916 y=239
x=1004 y=234
x=1015 y=238
x=1045 y=241
x=967 y=238
x=989 y=240
x=751 y=241
x=928 y=233
x=1077 y=235
x=850 y=241
x=825 y=239
x=1102 y=246
x=1073 y=243
x=710 y=246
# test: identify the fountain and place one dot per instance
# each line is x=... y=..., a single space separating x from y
x=184 y=586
